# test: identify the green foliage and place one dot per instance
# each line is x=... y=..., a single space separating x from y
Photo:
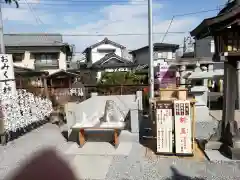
x=12 y=1
x=121 y=78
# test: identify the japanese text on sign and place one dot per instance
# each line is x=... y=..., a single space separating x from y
x=7 y=74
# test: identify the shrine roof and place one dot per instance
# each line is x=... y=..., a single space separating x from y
x=225 y=18
x=63 y=73
x=27 y=72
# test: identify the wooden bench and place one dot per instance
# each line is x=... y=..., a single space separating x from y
x=115 y=126
x=82 y=139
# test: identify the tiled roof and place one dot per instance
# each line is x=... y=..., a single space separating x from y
x=112 y=56
x=156 y=46
x=104 y=41
x=33 y=39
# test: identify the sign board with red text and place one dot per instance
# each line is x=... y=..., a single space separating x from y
x=164 y=121
x=183 y=127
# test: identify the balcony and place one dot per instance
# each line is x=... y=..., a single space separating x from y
x=40 y=65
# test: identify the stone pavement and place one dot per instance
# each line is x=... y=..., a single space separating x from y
x=217 y=114
x=99 y=160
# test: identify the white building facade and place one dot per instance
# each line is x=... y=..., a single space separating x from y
x=108 y=56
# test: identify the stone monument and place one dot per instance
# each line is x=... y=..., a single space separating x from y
x=204 y=122
x=200 y=93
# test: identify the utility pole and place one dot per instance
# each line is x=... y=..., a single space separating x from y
x=150 y=42
x=1 y=31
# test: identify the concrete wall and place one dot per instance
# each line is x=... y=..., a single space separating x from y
x=203 y=47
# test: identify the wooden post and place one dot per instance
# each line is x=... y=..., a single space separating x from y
x=45 y=86
x=81 y=137
x=116 y=140
x=20 y=82
x=193 y=125
x=70 y=82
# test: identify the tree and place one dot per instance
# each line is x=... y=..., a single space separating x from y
x=12 y=1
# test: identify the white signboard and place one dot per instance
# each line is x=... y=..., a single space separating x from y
x=117 y=70
x=183 y=127
x=76 y=92
x=164 y=120
x=7 y=78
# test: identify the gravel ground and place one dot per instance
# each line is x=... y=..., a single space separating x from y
x=134 y=166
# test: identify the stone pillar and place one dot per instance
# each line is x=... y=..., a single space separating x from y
x=134 y=118
x=238 y=85
x=182 y=70
x=139 y=95
x=210 y=67
x=205 y=81
x=226 y=138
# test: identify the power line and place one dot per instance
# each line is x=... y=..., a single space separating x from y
x=123 y=34
x=169 y=26
x=86 y=3
x=96 y=35
x=32 y=11
x=94 y=3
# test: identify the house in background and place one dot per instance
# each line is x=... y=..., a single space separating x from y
x=205 y=48
x=203 y=53
x=41 y=52
x=161 y=53
x=107 y=56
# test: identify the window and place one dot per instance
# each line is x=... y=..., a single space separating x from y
x=106 y=50
x=163 y=55
x=197 y=82
x=18 y=57
x=190 y=67
x=46 y=57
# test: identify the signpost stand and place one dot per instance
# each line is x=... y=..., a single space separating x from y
x=173 y=124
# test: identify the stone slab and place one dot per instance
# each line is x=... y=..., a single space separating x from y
x=217 y=114
x=127 y=136
x=91 y=167
x=100 y=148
x=213 y=145
x=216 y=156
x=205 y=129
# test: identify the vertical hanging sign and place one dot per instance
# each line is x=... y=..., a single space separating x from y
x=183 y=127
x=164 y=128
x=7 y=78
x=166 y=75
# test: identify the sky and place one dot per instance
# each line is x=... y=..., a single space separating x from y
x=85 y=22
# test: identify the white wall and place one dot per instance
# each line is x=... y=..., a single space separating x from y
x=28 y=62
x=97 y=56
